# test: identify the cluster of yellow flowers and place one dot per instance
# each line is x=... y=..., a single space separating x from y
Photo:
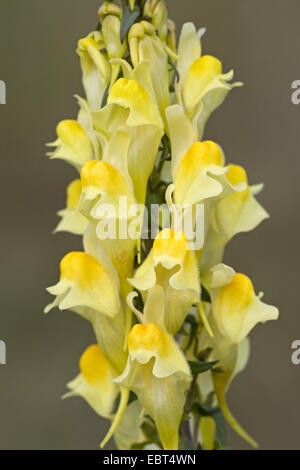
x=171 y=323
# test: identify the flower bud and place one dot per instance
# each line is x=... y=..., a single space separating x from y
x=109 y=8
x=157 y=10
x=171 y=39
x=111 y=26
x=96 y=70
x=144 y=45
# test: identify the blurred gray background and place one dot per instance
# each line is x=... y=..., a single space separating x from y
x=258 y=126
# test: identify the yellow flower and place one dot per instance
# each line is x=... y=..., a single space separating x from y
x=173 y=266
x=89 y=286
x=231 y=361
x=82 y=278
x=146 y=46
x=102 y=184
x=72 y=144
x=239 y=212
x=110 y=16
x=71 y=220
x=198 y=168
x=203 y=86
x=131 y=95
x=237 y=309
x=138 y=131
x=96 y=69
x=132 y=104
x=193 y=181
x=157 y=11
x=95 y=382
x=104 y=192
x=189 y=48
x=157 y=368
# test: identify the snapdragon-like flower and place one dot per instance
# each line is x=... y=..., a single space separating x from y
x=72 y=144
x=82 y=277
x=103 y=190
x=236 y=213
x=71 y=220
x=235 y=311
x=95 y=382
x=173 y=266
x=132 y=105
x=146 y=46
x=198 y=168
x=157 y=368
x=171 y=322
x=91 y=289
x=203 y=86
x=96 y=69
x=157 y=11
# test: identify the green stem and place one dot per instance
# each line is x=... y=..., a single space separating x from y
x=190 y=396
x=185 y=430
x=185 y=427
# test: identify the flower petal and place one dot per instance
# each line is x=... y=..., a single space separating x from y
x=236 y=308
x=72 y=145
x=198 y=172
x=173 y=266
x=189 y=49
x=132 y=95
x=71 y=220
x=82 y=279
x=159 y=375
x=96 y=70
x=94 y=383
x=182 y=135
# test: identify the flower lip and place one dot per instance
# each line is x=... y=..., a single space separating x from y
x=93 y=365
x=238 y=294
x=81 y=268
x=73 y=194
x=237 y=309
x=202 y=154
x=71 y=132
x=148 y=337
x=170 y=243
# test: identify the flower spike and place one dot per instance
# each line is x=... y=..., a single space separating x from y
x=156 y=206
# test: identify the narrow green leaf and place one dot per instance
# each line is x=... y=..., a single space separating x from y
x=128 y=19
x=221 y=428
x=198 y=367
